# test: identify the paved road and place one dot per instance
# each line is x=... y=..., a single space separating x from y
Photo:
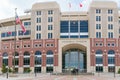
x=61 y=77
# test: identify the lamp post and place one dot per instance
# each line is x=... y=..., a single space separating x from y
x=7 y=72
x=114 y=65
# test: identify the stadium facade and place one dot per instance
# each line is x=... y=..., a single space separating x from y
x=58 y=41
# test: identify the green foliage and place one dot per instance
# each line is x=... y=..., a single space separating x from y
x=28 y=70
x=4 y=69
x=10 y=70
x=119 y=71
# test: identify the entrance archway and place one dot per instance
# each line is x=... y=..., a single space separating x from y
x=74 y=57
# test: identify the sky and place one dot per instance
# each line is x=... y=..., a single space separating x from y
x=7 y=7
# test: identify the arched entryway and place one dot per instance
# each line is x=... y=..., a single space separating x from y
x=74 y=57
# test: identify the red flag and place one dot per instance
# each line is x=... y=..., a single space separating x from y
x=19 y=22
x=9 y=32
x=81 y=5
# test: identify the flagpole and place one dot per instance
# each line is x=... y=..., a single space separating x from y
x=14 y=43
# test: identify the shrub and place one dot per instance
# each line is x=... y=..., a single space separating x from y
x=4 y=69
x=28 y=70
x=119 y=71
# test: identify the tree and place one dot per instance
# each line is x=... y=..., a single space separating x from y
x=4 y=69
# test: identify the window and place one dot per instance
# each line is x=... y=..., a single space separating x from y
x=99 y=52
x=98 y=26
x=38 y=27
x=26 y=58
x=49 y=57
x=110 y=26
x=99 y=60
x=110 y=11
x=101 y=44
x=98 y=18
x=50 y=27
x=64 y=26
x=110 y=18
x=111 y=60
x=50 y=19
x=113 y=44
x=27 y=23
x=110 y=34
x=5 y=58
x=38 y=20
x=38 y=12
x=16 y=59
x=73 y=26
x=98 y=34
x=108 y=44
x=38 y=36
x=50 y=12
x=99 y=68
x=98 y=11
x=38 y=59
x=50 y=35
x=96 y=44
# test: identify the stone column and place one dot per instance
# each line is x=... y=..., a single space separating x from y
x=20 y=69
x=32 y=62
x=43 y=67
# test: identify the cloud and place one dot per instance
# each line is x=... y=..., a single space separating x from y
x=7 y=7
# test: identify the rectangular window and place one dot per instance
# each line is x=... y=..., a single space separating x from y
x=98 y=26
x=50 y=19
x=50 y=27
x=98 y=18
x=98 y=34
x=110 y=18
x=99 y=60
x=38 y=36
x=50 y=35
x=49 y=60
x=27 y=23
x=98 y=11
x=110 y=26
x=64 y=26
x=26 y=61
x=110 y=34
x=38 y=20
x=38 y=28
x=38 y=12
x=50 y=12
x=74 y=26
x=111 y=60
x=110 y=11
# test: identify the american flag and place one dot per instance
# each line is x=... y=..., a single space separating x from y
x=19 y=22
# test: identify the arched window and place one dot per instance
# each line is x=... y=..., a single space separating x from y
x=38 y=58
x=49 y=61
x=38 y=53
x=99 y=61
x=26 y=54
x=38 y=61
x=16 y=58
x=16 y=61
x=5 y=58
x=49 y=52
x=111 y=52
x=26 y=58
x=99 y=52
x=111 y=60
x=5 y=54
